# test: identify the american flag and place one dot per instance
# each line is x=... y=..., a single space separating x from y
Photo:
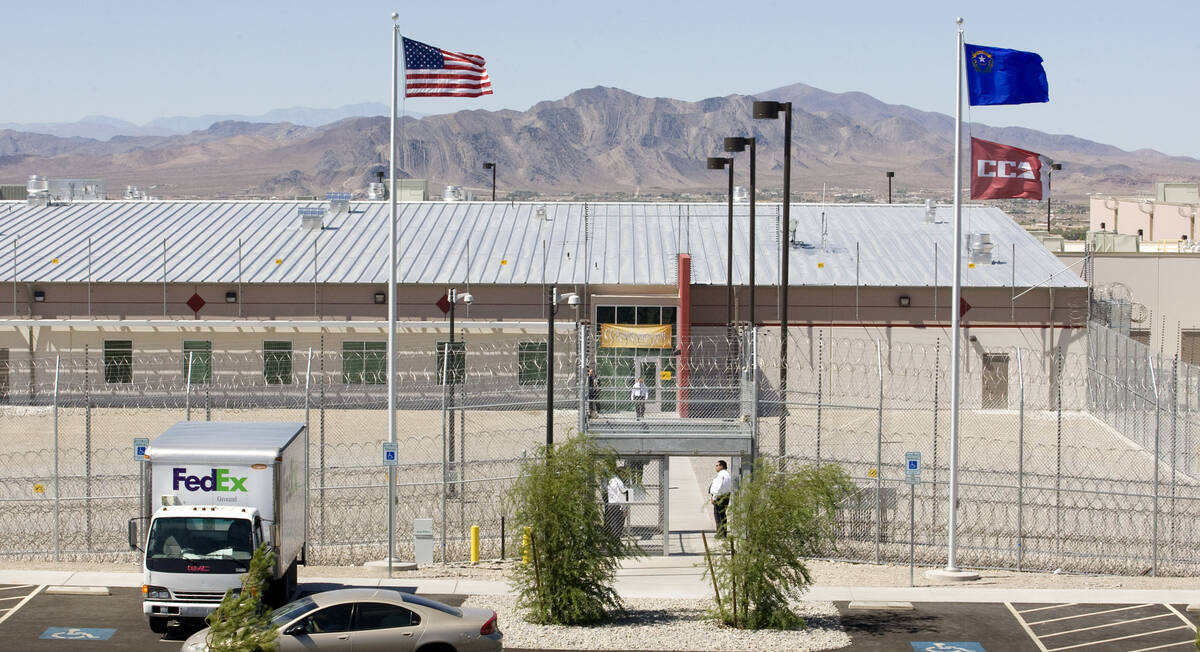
x=433 y=72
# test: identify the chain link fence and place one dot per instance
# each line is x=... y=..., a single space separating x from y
x=1085 y=462
x=69 y=481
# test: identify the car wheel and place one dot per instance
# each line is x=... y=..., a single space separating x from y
x=158 y=625
x=437 y=647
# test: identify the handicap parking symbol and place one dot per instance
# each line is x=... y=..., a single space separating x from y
x=929 y=646
x=78 y=633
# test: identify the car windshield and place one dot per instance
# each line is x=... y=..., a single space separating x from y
x=292 y=611
x=426 y=602
x=200 y=539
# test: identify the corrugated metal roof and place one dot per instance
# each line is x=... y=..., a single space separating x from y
x=506 y=243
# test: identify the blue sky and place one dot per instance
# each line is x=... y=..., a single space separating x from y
x=1120 y=73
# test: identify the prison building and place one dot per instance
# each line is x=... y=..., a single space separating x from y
x=278 y=278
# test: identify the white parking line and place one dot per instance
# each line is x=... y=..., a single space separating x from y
x=1053 y=606
x=1094 y=613
x=21 y=603
x=1112 y=624
x=1164 y=646
x=1119 y=638
x=15 y=587
x=1181 y=616
x=1017 y=614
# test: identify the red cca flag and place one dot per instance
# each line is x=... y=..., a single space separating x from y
x=1004 y=172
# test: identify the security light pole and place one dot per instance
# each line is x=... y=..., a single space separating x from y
x=738 y=144
x=770 y=111
x=492 y=167
x=718 y=163
x=1053 y=167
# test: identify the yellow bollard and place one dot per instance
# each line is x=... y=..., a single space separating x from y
x=474 y=544
x=525 y=544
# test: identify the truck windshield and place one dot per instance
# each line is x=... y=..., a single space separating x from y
x=199 y=545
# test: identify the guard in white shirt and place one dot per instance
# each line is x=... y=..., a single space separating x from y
x=615 y=504
x=718 y=492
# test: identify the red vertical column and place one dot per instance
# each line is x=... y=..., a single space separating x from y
x=685 y=330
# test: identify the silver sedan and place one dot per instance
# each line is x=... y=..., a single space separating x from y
x=365 y=620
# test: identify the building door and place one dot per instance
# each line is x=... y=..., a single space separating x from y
x=648 y=371
x=995 y=381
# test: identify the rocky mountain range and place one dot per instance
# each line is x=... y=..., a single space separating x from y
x=597 y=140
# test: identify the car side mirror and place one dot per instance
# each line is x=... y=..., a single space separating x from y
x=133 y=534
x=296 y=630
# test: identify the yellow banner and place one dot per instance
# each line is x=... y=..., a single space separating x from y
x=635 y=337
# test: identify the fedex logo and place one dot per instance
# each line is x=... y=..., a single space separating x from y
x=217 y=480
x=1004 y=169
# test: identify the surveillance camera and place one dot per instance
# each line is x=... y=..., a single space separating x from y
x=468 y=299
x=573 y=300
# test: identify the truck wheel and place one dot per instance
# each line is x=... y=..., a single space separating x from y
x=158 y=625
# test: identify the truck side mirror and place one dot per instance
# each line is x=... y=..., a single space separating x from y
x=133 y=535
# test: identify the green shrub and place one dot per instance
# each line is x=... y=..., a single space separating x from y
x=241 y=623
x=775 y=520
x=558 y=497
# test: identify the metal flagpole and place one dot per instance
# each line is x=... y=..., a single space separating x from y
x=952 y=568
x=391 y=339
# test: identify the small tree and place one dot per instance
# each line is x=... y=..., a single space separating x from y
x=570 y=581
x=775 y=520
x=241 y=623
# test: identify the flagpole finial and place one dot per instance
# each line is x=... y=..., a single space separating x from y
x=396 y=16
x=958 y=21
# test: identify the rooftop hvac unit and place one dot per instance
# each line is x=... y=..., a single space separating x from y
x=741 y=195
x=311 y=217
x=339 y=202
x=37 y=183
x=376 y=191
x=979 y=247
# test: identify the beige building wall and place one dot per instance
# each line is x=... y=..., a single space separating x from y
x=1157 y=221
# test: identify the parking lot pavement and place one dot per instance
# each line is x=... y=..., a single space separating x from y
x=14 y=596
x=104 y=622
x=987 y=625
x=1107 y=627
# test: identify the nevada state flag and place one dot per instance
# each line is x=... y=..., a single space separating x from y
x=1002 y=76
x=1003 y=172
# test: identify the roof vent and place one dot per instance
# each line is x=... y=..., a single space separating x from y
x=376 y=191
x=311 y=217
x=979 y=247
x=339 y=202
x=37 y=190
x=453 y=193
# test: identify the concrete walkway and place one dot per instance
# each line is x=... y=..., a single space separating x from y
x=675 y=576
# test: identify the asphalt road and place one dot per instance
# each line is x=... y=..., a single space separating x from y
x=31 y=619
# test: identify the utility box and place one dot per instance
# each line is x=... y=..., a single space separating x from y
x=423 y=540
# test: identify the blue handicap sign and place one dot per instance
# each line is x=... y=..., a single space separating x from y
x=913 y=465
x=930 y=646
x=390 y=454
x=78 y=633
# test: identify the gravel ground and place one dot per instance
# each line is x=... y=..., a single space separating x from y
x=667 y=625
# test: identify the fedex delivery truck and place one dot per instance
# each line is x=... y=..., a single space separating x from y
x=222 y=488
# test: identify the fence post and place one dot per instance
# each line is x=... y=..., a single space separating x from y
x=57 y=548
x=1058 y=449
x=1155 y=461
x=820 y=386
x=753 y=371
x=307 y=439
x=187 y=392
x=581 y=335
x=1174 y=443
x=445 y=462
x=1020 y=462
x=937 y=382
x=87 y=451
x=879 y=455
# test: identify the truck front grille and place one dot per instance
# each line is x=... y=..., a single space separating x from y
x=199 y=596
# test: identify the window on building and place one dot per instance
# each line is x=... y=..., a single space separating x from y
x=1189 y=347
x=606 y=314
x=455 y=368
x=364 y=363
x=277 y=362
x=649 y=315
x=118 y=361
x=531 y=363
x=626 y=315
x=197 y=359
x=1140 y=336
